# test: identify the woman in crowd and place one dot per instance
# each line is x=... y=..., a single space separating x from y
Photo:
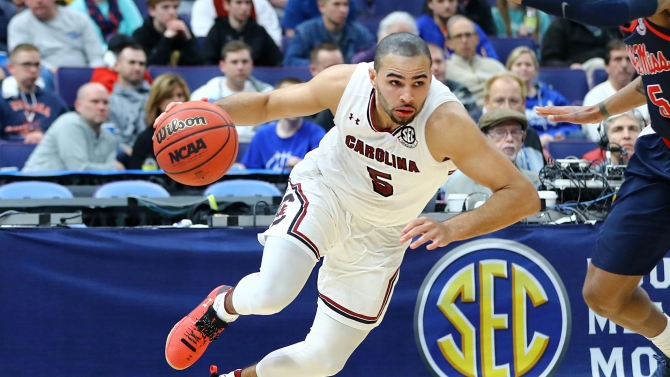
x=516 y=20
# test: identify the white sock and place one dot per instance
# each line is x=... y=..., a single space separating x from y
x=662 y=340
x=220 y=308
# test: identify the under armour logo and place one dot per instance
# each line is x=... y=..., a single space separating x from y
x=351 y=117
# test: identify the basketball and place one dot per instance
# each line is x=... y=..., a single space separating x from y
x=196 y=143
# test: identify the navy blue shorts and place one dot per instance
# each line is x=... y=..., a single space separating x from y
x=636 y=234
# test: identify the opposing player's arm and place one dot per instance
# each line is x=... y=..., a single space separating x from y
x=321 y=92
x=451 y=133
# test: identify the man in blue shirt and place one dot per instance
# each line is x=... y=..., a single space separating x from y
x=281 y=145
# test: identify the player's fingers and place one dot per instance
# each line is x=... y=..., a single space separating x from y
x=553 y=110
x=172 y=105
x=417 y=230
x=437 y=242
x=421 y=240
x=160 y=119
x=204 y=99
x=412 y=224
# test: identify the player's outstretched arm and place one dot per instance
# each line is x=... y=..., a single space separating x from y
x=603 y=13
x=631 y=96
x=450 y=132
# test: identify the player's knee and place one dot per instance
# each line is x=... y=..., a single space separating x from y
x=602 y=304
x=273 y=299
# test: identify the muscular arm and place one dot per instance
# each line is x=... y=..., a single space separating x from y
x=590 y=12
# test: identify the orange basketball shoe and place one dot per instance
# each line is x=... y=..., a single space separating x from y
x=190 y=337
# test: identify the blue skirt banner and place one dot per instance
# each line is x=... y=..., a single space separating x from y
x=100 y=302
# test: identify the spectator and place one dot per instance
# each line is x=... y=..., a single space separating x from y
x=479 y=12
x=279 y=7
x=507 y=90
x=64 y=36
x=299 y=11
x=462 y=93
x=394 y=22
x=332 y=26
x=236 y=65
x=26 y=110
x=107 y=76
x=205 y=12
x=324 y=55
x=280 y=145
x=7 y=10
x=168 y=87
x=110 y=17
x=76 y=141
x=464 y=64
x=165 y=38
x=433 y=27
x=516 y=20
x=620 y=73
x=240 y=26
x=129 y=97
x=570 y=44
x=619 y=135
x=523 y=62
x=506 y=129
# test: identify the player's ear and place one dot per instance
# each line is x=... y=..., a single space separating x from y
x=373 y=75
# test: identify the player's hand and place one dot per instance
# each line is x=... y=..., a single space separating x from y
x=571 y=114
x=169 y=107
x=430 y=230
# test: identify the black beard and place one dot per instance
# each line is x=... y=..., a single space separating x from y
x=399 y=121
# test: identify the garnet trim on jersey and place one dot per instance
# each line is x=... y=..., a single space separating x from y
x=360 y=317
x=300 y=215
x=371 y=116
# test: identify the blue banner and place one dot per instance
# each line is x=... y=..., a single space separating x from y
x=100 y=302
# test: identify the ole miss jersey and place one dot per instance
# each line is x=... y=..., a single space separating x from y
x=648 y=47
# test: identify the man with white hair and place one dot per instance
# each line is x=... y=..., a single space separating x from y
x=394 y=22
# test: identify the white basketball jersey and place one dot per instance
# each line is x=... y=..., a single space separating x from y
x=385 y=178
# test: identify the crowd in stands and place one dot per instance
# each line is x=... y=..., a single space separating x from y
x=110 y=125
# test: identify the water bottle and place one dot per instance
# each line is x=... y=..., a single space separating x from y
x=530 y=20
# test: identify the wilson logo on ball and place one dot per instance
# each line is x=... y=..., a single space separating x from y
x=187 y=150
x=176 y=125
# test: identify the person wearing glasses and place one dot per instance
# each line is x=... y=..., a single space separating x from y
x=26 y=109
x=506 y=128
x=464 y=65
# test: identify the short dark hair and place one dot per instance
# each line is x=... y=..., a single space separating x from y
x=325 y=46
x=613 y=45
x=403 y=44
x=234 y=46
x=288 y=80
x=23 y=47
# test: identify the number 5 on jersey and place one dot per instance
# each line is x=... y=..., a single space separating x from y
x=380 y=182
x=654 y=93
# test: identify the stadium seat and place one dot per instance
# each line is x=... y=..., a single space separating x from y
x=570 y=148
x=195 y=76
x=142 y=7
x=131 y=188
x=69 y=79
x=571 y=83
x=505 y=45
x=599 y=76
x=384 y=7
x=241 y=151
x=34 y=190
x=242 y=187
x=272 y=75
x=285 y=42
x=15 y=154
x=371 y=23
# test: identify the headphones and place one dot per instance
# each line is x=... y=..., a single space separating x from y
x=603 y=141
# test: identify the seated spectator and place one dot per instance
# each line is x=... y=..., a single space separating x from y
x=110 y=17
x=205 y=12
x=513 y=20
x=324 y=55
x=464 y=65
x=76 y=141
x=522 y=61
x=438 y=69
x=332 y=26
x=236 y=66
x=129 y=97
x=240 y=26
x=394 y=22
x=282 y=144
x=65 y=37
x=7 y=10
x=107 y=76
x=299 y=11
x=618 y=136
x=507 y=91
x=506 y=129
x=165 y=38
x=620 y=73
x=168 y=87
x=433 y=27
x=479 y=12
x=26 y=110
x=279 y=6
x=570 y=44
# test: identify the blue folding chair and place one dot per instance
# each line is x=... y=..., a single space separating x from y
x=242 y=187
x=598 y=76
x=15 y=154
x=505 y=45
x=571 y=83
x=570 y=148
x=69 y=79
x=195 y=77
x=34 y=190
x=384 y=7
x=131 y=188
x=272 y=75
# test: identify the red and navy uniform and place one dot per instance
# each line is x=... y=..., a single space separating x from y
x=636 y=234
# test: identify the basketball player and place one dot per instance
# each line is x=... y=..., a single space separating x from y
x=354 y=201
x=636 y=234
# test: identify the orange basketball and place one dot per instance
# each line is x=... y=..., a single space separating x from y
x=196 y=143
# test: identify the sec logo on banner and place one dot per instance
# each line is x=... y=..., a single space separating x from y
x=492 y=308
